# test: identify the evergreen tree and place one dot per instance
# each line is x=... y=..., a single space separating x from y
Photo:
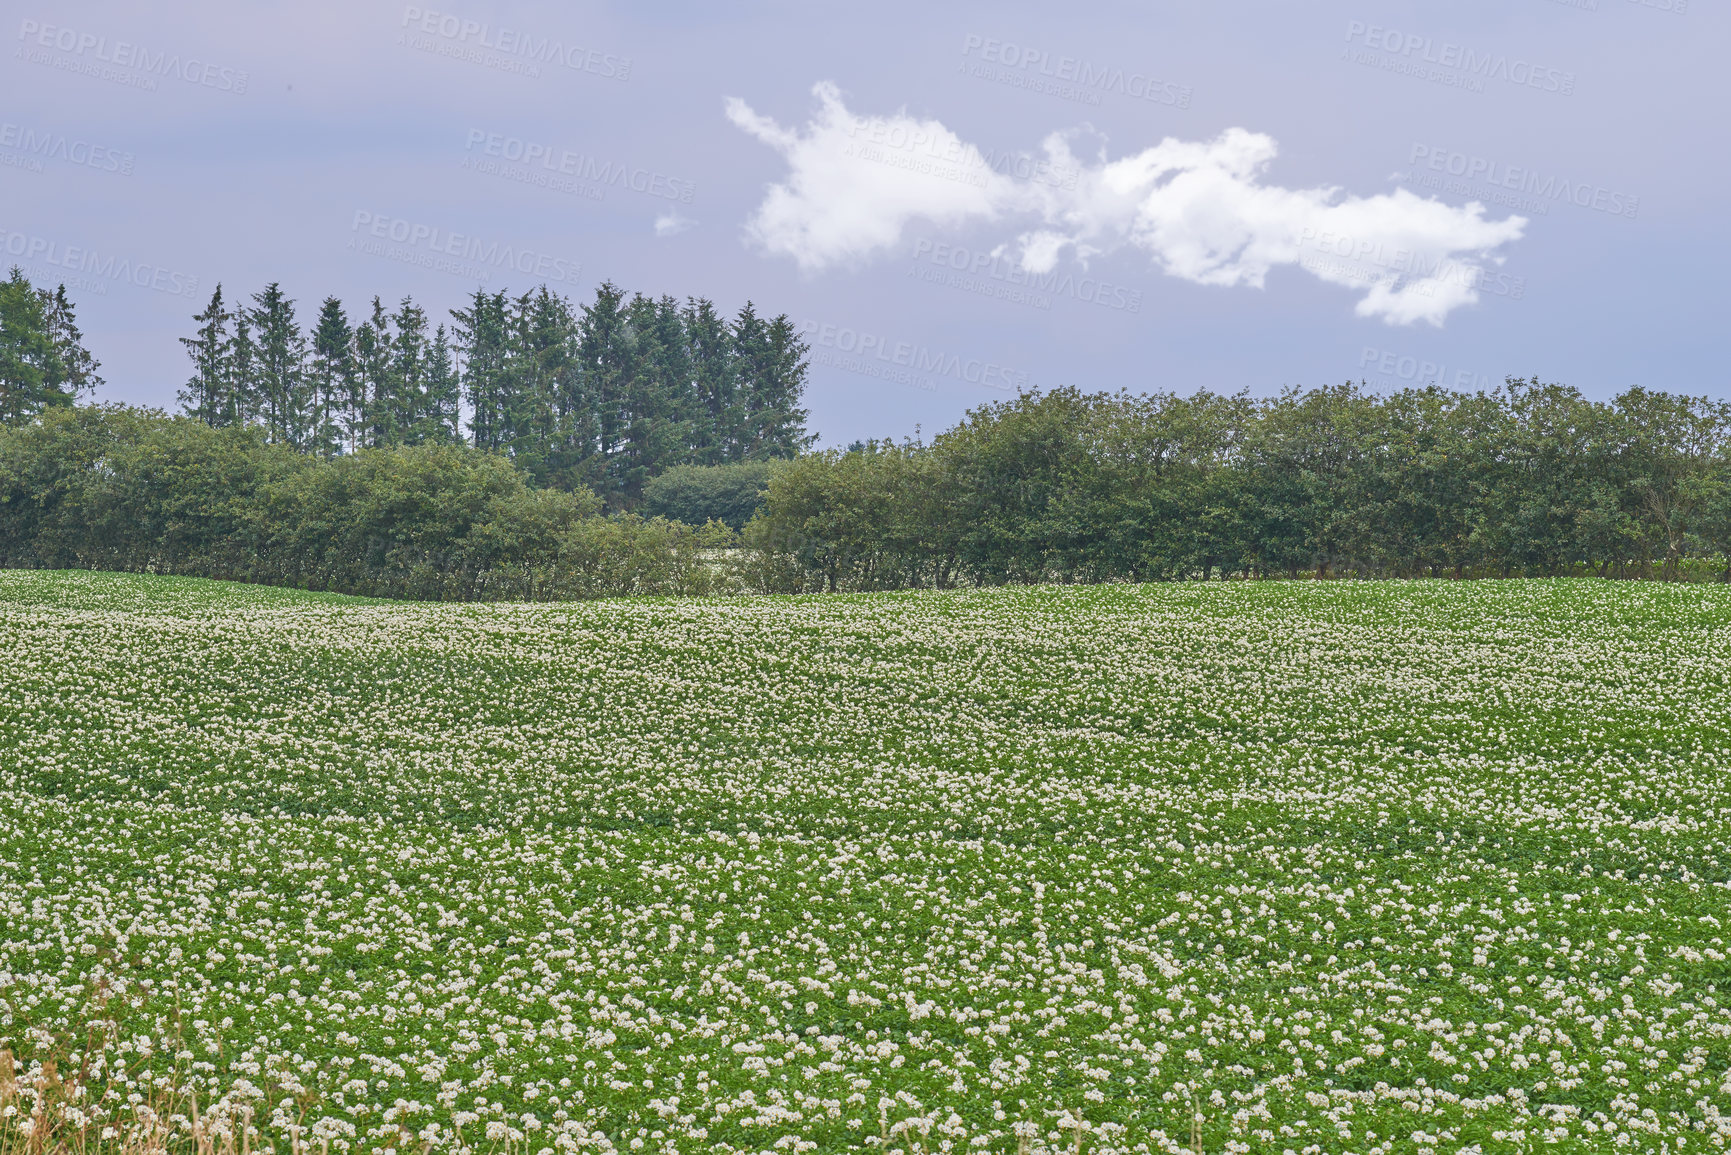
x=439 y=420
x=378 y=391
x=607 y=352
x=717 y=418
x=778 y=421
x=280 y=369
x=208 y=395
x=29 y=361
x=541 y=383
x=408 y=373
x=242 y=363
x=75 y=371
x=772 y=369
x=659 y=395
x=574 y=430
x=482 y=342
x=333 y=379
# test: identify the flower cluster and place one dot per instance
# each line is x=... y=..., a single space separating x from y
x=1297 y=867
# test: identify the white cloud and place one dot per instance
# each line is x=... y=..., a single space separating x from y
x=1198 y=209
x=671 y=223
x=855 y=182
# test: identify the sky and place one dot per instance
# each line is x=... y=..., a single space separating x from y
x=954 y=202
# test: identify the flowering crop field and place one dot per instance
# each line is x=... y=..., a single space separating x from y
x=1283 y=867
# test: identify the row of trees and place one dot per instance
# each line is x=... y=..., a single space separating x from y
x=336 y=388
x=118 y=488
x=605 y=395
x=43 y=361
x=629 y=402
x=1067 y=486
x=1060 y=486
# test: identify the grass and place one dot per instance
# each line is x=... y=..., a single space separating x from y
x=1410 y=867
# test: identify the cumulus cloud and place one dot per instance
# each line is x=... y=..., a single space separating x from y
x=1200 y=210
x=855 y=182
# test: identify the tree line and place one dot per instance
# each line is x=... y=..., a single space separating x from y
x=336 y=460
x=1528 y=479
x=605 y=395
x=118 y=488
x=1064 y=486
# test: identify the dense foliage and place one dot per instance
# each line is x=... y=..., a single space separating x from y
x=1060 y=486
x=43 y=361
x=1399 y=867
x=126 y=489
x=699 y=494
x=603 y=396
x=337 y=459
x=1067 y=486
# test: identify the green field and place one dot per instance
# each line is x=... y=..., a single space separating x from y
x=1339 y=867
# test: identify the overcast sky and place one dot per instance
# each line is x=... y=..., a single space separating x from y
x=956 y=200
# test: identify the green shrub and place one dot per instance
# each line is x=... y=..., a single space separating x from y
x=132 y=490
x=698 y=494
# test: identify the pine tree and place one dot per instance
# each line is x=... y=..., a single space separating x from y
x=378 y=390
x=772 y=369
x=332 y=378
x=206 y=395
x=76 y=369
x=281 y=387
x=750 y=352
x=570 y=414
x=239 y=397
x=717 y=416
x=439 y=416
x=29 y=361
x=538 y=376
x=779 y=369
x=408 y=372
x=659 y=394
x=482 y=342
x=607 y=351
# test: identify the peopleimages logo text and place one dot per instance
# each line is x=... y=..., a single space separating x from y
x=122 y=54
x=511 y=42
x=1458 y=58
x=868 y=349
x=442 y=243
x=983 y=266
x=896 y=144
x=33 y=249
x=1067 y=72
x=576 y=165
x=1373 y=261
x=48 y=145
x=1405 y=367
x=1523 y=180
